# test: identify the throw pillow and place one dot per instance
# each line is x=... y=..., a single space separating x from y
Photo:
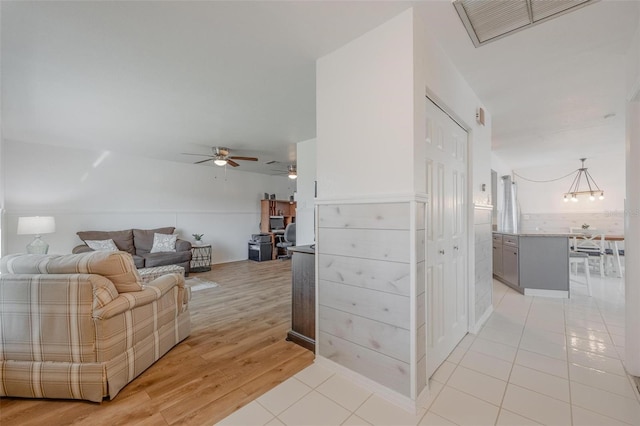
x=102 y=245
x=163 y=242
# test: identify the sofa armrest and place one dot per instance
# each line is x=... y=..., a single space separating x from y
x=82 y=248
x=152 y=291
x=183 y=245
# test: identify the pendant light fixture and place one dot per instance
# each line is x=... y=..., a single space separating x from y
x=592 y=189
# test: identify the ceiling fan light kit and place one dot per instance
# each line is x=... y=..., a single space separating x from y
x=292 y=172
x=593 y=190
x=221 y=157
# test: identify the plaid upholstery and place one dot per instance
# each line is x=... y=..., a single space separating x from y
x=75 y=336
x=117 y=266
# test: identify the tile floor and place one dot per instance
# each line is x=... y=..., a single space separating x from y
x=536 y=361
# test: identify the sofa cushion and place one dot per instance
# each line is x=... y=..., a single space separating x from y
x=163 y=243
x=117 y=266
x=143 y=238
x=138 y=260
x=102 y=245
x=122 y=239
x=166 y=258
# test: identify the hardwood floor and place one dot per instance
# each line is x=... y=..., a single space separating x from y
x=236 y=352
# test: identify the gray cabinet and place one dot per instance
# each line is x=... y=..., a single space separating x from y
x=497 y=255
x=510 y=261
x=526 y=261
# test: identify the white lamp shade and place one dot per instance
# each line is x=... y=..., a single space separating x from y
x=36 y=225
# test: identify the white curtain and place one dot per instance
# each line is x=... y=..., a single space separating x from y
x=510 y=213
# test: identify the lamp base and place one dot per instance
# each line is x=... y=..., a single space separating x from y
x=37 y=246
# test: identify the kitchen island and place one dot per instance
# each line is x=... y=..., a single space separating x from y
x=534 y=264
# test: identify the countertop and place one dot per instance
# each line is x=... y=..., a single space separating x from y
x=309 y=249
x=536 y=234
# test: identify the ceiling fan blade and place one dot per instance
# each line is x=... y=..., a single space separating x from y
x=235 y=157
x=232 y=163
x=199 y=155
x=203 y=161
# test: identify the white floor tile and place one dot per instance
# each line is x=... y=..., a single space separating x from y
x=456 y=355
x=547 y=384
x=466 y=341
x=601 y=380
x=585 y=333
x=344 y=392
x=544 y=343
x=486 y=364
x=464 y=409
x=314 y=375
x=314 y=409
x=432 y=419
x=443 y=372
x=498 y=350
x=434 y=390
x=590 y=359
x=354 y=420
x=542 y=363
x=284 y=395
x=507 y=418
x=508 y=338
x=536 y=406
x=378 y=411
x=597 y=347
x=589 y=418
x=249 y=415
x=503 y=323
x=605 y=403
x=477 y=384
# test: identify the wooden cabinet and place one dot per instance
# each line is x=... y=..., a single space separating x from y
x=269 y=208
x=303 y=297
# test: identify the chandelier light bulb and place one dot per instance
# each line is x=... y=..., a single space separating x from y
x=601 y=196
x=574 y=198
x=565 y=198
x=591 y=197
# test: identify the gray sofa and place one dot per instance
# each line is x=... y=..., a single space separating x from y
x=138 y=243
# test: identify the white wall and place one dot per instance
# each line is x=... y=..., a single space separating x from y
x=120 y=192
x=305 y=194
x=547 y=197
x=365 y=124
x=370 y=142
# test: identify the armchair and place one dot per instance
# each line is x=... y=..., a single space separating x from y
x=82 y=326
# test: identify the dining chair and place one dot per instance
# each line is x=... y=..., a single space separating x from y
x=593 y=245
x=577 y=258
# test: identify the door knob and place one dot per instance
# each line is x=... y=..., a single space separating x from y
x=441 y=251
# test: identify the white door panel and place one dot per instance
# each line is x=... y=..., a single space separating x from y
x=446 y=236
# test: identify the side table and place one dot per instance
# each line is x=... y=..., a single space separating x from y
x=200 y=258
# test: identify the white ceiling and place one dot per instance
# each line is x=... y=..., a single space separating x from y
x=158 y=79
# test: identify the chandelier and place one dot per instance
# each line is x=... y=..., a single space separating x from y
x=581 y=177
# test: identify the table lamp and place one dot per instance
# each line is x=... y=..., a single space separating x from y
x=36 y=225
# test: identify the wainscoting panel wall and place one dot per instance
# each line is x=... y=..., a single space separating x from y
x=482 y=224
x=371 y=304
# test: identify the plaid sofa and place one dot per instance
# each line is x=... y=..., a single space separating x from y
x=82 y=326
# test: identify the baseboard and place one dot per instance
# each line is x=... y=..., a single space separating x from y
x=383 y=392
x=558 y=294
x=478 y=325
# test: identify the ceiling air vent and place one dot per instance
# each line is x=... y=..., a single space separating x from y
x=489 y=20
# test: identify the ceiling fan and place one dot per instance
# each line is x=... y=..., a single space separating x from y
x=221 y=157
x=291 y=172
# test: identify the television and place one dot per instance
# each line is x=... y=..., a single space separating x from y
x=276 y=223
